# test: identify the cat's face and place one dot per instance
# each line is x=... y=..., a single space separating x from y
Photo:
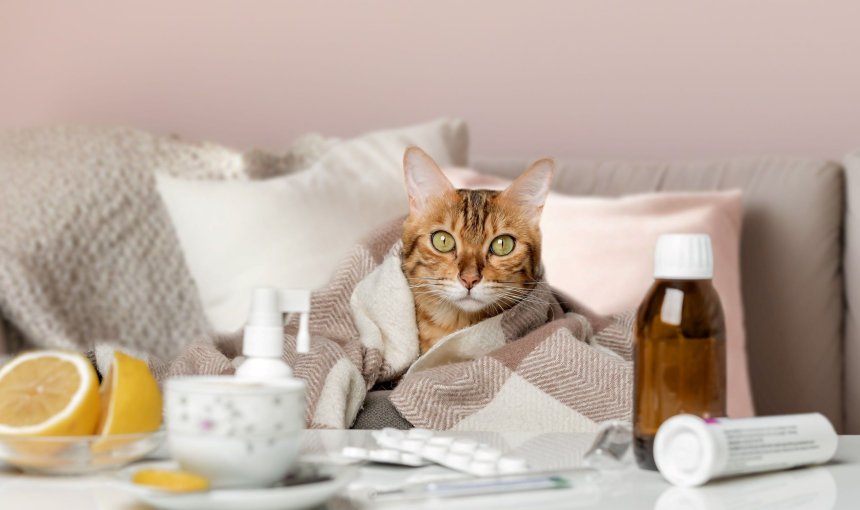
x=475 y=250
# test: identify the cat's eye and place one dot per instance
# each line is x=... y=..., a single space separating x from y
x=502 y=245
x=442 y=241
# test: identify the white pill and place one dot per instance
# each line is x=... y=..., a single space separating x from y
x=482 y=468
x=392 y=433
x=464 y=446
x=512 y=465
x=412 y=445
x=420 y=434
x=458 y=461
x=391 y=456
x=354 y=452
x=387 y=442
x=434 y=451
x=441 y=440
x=487 y=454
x=411 y=459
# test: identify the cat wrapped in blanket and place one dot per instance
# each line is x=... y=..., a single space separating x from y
x=469 y=254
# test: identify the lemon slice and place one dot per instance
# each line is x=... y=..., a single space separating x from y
x=130 y=398
x=173 y=481
x=48 y=393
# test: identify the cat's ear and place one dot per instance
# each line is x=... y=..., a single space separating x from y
x=530 y=189
x=424 y=180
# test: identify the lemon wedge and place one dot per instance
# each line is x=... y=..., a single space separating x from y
x=173 y=481
x=130 y=398
x=48 y=393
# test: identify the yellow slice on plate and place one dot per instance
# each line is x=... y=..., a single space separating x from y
x=48 y=393
x=173 y=481
x=130 y=402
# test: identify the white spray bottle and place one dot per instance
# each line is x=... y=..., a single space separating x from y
x=263 y=343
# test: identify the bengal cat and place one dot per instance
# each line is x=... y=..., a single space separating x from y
x=469 y=254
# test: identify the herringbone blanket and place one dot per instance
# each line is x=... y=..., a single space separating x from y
x=545 y=364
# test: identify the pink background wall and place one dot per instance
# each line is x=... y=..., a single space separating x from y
x=587 y=78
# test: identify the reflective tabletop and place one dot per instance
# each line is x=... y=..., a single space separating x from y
x=832 y=486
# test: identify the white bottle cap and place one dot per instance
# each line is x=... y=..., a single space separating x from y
x=684 y=257
x=685 y=451
x=264 y=332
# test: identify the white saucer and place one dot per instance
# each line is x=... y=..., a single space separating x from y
x=306 y=491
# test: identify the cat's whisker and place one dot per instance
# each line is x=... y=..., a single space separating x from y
x=515 y=287
x=425 y=286
x=503 y=304
x=499 y=307
x=515 y=290
x=531 y=308
x=426 y=293
x=527 y=291
x=534 y=307
x=436 y=292
x=537 y=299
x=513 y=293
x=509 y=287
x=532 y=299
x=526 y=298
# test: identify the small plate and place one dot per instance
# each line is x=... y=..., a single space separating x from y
x=311 y=485
x=76 y=455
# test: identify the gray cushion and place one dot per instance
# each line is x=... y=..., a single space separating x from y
x=378 y=412
x=790 y=263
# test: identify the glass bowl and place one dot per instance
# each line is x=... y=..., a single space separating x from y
x=74 y=455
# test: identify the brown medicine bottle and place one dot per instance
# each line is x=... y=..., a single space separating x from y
x=680 y=346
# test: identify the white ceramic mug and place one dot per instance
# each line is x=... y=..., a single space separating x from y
x=235 y=432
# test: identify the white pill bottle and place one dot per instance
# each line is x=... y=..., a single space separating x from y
x=689 y=451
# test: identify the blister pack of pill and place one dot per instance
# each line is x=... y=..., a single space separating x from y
x=384 y=456
x=461 y=454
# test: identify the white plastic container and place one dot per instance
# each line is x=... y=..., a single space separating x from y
x=690 y=451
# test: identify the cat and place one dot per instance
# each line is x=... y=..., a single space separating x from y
x=469 y=254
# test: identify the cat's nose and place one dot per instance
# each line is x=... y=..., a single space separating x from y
x=470 y=280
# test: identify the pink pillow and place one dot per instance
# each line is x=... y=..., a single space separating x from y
x=601 y=251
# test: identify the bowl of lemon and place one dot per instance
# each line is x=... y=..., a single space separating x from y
x=55 y=417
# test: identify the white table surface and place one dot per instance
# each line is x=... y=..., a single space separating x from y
x=834 y=486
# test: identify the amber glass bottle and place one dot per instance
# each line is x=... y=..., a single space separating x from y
x=680 y=348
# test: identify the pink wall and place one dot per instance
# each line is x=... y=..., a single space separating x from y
x=586 y=78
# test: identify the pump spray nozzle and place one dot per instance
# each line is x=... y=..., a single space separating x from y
x=264 y=334
x=298 y=301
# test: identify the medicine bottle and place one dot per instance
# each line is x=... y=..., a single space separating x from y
x=680 y=342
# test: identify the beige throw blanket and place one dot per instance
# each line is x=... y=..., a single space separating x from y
x=87 y=251
x=544 y=367
x=88 y=254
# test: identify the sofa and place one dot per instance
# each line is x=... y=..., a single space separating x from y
x=799 y=263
